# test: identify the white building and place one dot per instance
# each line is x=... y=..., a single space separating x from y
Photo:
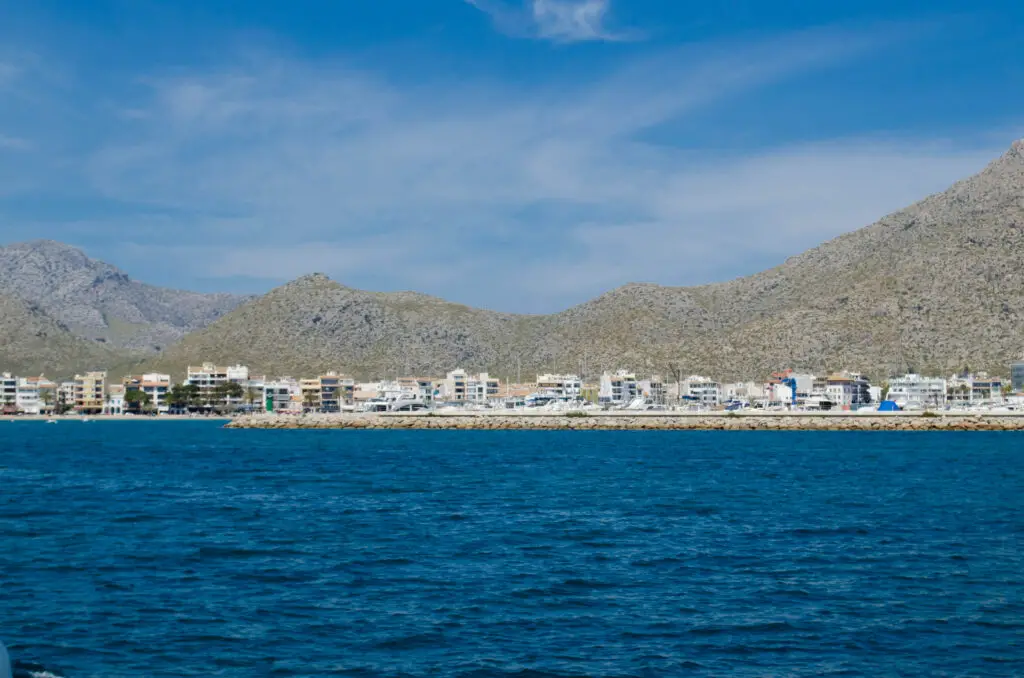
x=847 y=390
x=282 y=395
x=744 y=390
x=36 y=395
x=561 y=386
x=115 y=400
x=702 y=391
x=155 y=385
x=974 y=389
x=619 y=388
x=653 y=388
x=209 y=376
x=779 y=392
x=914 y=390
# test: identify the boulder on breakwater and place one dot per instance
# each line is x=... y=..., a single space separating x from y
x=645 y=422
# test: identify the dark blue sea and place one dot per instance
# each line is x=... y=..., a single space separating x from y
x=182 y=549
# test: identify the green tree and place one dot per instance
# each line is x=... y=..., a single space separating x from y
x=223 y=393
x=138 y=401
x=46 y=396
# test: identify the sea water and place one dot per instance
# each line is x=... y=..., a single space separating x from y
x=183 y=549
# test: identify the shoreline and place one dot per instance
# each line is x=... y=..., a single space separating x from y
x=621 y=421
x=106 y=417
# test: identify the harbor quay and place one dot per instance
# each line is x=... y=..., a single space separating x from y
x=650 y=421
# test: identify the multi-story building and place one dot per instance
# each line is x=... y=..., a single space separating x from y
x=90 y=395
x=914 y=390
x=65 y=396
x=618 y=389
x=208 y=377
x=282 y=395
x=156 y=386
x=562 y=386
x=8 y=393
x=36 y=395
x=115 y=401
x=482 y=387
x=420 y=388
x=455 y=386
x=847 y=390
x=653 y=388
x=972 y=389
x=702 y=391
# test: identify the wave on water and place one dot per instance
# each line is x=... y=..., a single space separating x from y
x=22 y=669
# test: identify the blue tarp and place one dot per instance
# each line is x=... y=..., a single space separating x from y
x=888 y=406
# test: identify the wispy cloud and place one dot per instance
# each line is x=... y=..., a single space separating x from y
x=555 y=20
x=518 y=197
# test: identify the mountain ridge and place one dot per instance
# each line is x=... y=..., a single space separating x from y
x=98 y=301
x=933 y=286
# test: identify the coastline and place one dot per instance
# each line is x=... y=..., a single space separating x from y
x=781 y=421
x=107 y=417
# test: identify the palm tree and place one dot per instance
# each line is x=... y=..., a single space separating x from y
x=252 y=395
x=311 y=400
x=46 y=395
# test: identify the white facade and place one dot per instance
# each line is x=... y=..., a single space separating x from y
x=744 y=390
x=31 y=398
x=618 y=389
x=653 y=389
x=702 y=391
x=846 y=390
x=562 y=386
x=914 y=390
x=282 y=395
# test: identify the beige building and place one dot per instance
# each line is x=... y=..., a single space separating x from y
x=90 y=394
x=154 y=385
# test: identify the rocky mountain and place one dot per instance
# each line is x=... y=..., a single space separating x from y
x=936 y=286
x=34 y=343
x=98 y=302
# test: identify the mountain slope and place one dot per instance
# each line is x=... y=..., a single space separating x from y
x=97 y=301
x=936 y=286
x=34 y=343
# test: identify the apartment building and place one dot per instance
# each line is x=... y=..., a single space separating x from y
x=282 y=395
x=973 y=389
x=90 y=392
x=703 y=391
x=846 y=390
x=1017 y=376
x=482 y=387
x=8 y=393
x=618 y=388
x=562 y=386
x=156 y=386
x=653 y=388
x=36 y=395
x=914 y=390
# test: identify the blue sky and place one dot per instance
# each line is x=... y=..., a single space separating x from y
x=521 y=155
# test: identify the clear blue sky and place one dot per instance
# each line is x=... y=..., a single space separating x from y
x=517 y=154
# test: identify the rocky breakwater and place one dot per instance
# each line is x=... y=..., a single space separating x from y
x=661 y=422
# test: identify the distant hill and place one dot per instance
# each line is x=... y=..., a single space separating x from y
x=33 y=343
x=97 y=301
x=936 y=287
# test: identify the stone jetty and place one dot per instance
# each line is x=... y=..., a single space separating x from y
x=642 y=422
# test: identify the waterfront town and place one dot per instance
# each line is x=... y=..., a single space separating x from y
x=210 y=389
